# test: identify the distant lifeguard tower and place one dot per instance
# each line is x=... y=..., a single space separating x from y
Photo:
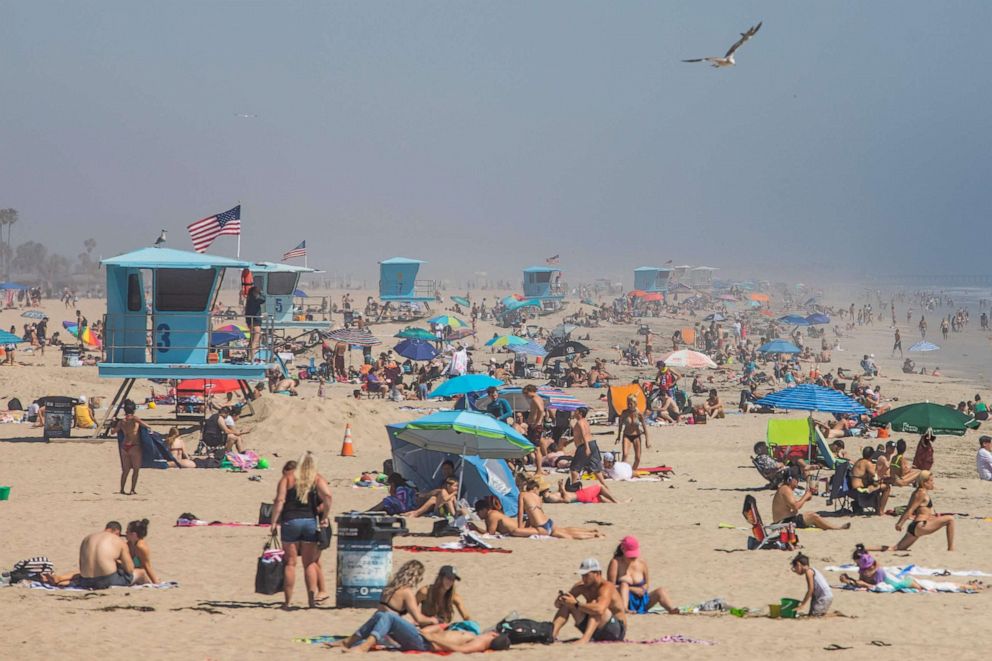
x=652 y=279
x=398 y=282
x=701 y=277
x=166 y=335
x=544 y=283
x=279 y=284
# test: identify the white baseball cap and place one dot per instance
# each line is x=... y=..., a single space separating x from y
x=589 y=565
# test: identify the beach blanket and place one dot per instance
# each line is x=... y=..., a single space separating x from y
x=197 y=523
x=914 y=570
x=928 y=586
x=448 y=548
x=35 y=585
x=242 y=461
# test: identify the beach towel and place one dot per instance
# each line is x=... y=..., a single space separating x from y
x=154 y=452
x=35 y=585
x=448 y=548
x=197 y=523
x=914 y=570
x=242 y=461
x=653 y=469
x=928 y=587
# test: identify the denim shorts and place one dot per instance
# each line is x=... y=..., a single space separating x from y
x=298 y=530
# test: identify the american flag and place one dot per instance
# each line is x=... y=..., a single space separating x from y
x=298 y=251
x=203 y=232
x=552 y=260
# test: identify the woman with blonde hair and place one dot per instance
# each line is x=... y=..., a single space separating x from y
x=400 y=597
x=299 y=495
x=925 y=520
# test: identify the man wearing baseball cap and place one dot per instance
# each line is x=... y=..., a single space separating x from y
x=984 y=459
x=600 y=616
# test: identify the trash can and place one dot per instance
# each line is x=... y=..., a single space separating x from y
x=70 y=355
x=59 y=416
x=365 y=557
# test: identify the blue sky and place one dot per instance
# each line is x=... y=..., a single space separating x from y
x=486 y=136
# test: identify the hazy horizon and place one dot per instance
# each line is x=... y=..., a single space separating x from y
x=850 y=138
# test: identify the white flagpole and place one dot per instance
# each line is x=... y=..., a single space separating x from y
x=239 y=244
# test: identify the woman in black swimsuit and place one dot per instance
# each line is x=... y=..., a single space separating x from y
x=632 y=429
x=400 y=594
x=925 y=520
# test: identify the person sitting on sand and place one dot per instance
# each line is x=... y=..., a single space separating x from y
x=665 y=408
x=925 y=520
x=713 y=406
x=178 y=449
x=83 y=414
x=141 y=555
x=620 y=471
x=130 y=447
x=286 y=387
x=235 y=440
x=983 y=460
x=628 y=571
x=601 y=616
x=819 y=596
x=785 y=507
x=588 y=495
x=440 y=502
x=529 y=507
x=495 y=521
x=440 y=600
x=104 y=560
x=402 y=497
x=864 y=479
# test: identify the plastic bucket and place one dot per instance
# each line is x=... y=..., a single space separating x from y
x=774 y=610
x=787 y=607
x=4 y=493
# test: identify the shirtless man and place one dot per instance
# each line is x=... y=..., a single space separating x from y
x=497 y=522
x=535 y=425
x=601 y=616
x=587 y=455
x=785 y=507
x=130 y=448
x=104 y=559
x=432 y=638
x=864 y=476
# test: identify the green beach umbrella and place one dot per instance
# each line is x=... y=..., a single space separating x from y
x=415 y=334
x=917 y=418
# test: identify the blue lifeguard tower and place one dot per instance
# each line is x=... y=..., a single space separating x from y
x=652 y=279
x=280 y=283
x=166 y=335
x=544 y=284
x=398 y=282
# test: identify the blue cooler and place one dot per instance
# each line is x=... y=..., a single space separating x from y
x=365 y=557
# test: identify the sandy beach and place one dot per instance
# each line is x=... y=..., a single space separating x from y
x=63 y=491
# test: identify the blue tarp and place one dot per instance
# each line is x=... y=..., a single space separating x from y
x=482 y=477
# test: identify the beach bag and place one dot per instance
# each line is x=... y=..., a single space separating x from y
x=14 y=404
x=265 y=514
x=31 y=569
x=527 y=631
x=269 y=568
x=444 y=528
x=323 y=536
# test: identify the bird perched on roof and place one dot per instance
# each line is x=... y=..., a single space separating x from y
x=728 y=59
x=160 y=241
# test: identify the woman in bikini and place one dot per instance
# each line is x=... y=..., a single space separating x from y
x=178 y=449
x=400 y=594
x=130 y=447
x=630 y=574
x=490 y=510
x=632 y=428
x=140 y=553
x=925 y=520
x=529 y=506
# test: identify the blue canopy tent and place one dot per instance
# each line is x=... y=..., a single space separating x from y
x=779 y=346
x=811 y=397
x=480 y=477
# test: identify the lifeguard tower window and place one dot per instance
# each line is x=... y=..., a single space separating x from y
x=281 y=284
x=183 y=290
x=542 y=277
x=134 y=293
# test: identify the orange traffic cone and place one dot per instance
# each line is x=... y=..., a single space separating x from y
x=347 y=448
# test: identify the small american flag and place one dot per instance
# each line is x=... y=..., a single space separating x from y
x=552 y=260
x=298 y=251
x=203 y=232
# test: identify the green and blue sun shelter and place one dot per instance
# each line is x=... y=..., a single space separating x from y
x=398 y=281
x=652 y=279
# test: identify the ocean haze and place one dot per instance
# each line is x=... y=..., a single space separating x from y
x=851 y=138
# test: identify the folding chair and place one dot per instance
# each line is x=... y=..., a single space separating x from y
x=778 y=536
x=840 y=486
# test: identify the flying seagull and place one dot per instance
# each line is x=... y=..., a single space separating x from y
x=160 y=241
x=728 y=59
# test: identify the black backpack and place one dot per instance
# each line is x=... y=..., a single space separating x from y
x=14 y=404
x=527 y=631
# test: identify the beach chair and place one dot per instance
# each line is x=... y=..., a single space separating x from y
x=840 y=486
x=778 y=536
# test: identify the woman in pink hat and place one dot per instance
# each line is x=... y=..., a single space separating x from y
x=630 y=574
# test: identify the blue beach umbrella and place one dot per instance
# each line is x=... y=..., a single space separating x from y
x=529 y=349
x=811 y=397
x=9 y=338
x=817 y=318
x=465 y=433
x=462 y=301
x=506 y=341
x=779 y=346
x=299 y=293
x=794 y=319
x=416 y=350
x=466 y=383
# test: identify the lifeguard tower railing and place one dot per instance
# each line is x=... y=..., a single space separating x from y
x=423 y=290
